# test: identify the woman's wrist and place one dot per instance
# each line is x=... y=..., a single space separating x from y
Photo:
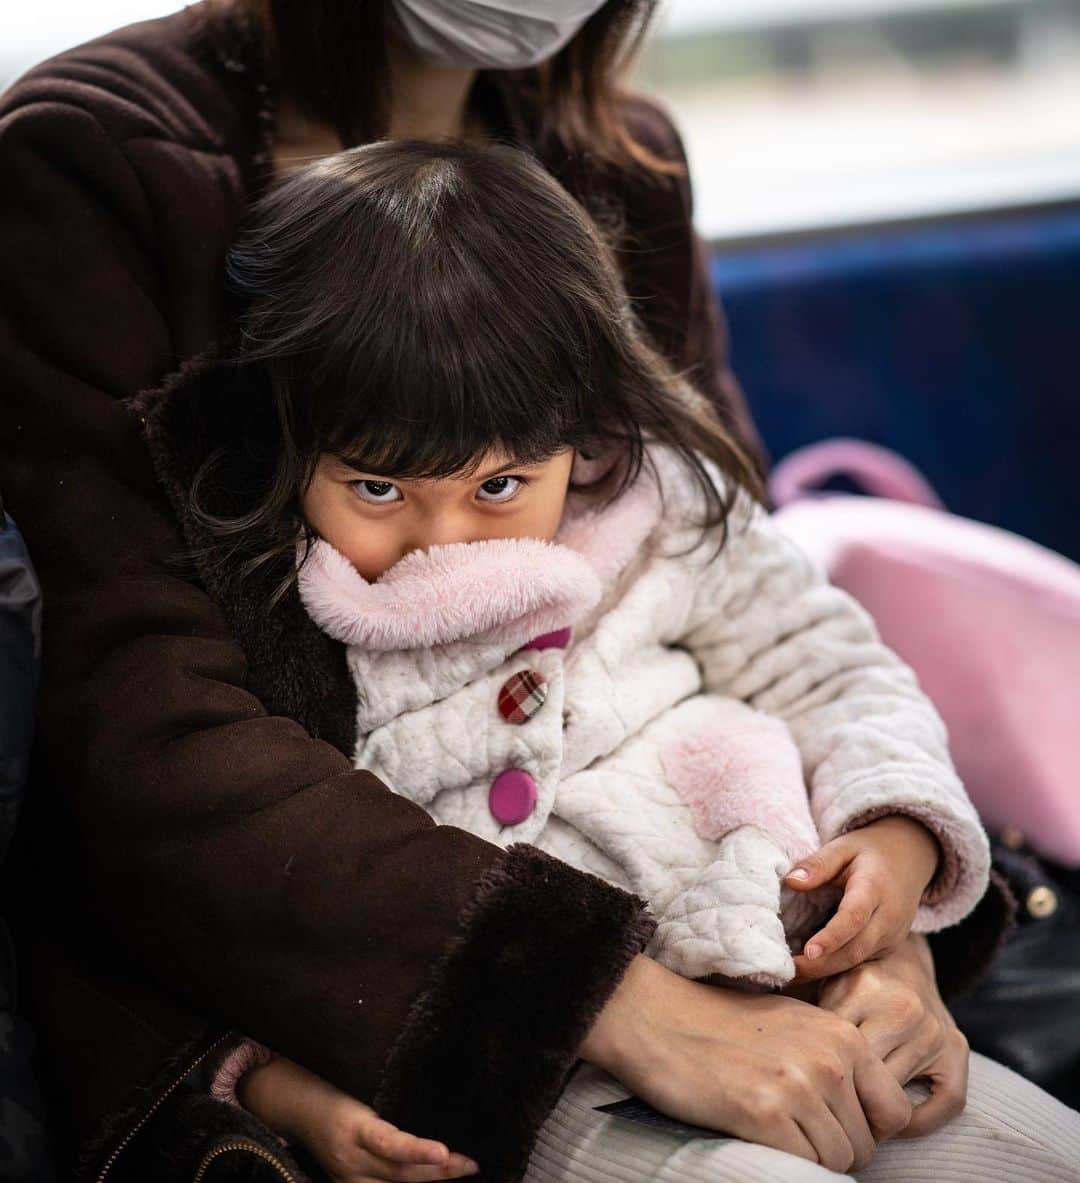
x=621 y=1020
x=913 y=956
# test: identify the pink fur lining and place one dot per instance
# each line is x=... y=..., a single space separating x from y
x=746 y=772
x=496 y=590
x=501 y=589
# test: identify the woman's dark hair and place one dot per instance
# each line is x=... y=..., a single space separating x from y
x=330 y=56
x=412 y=306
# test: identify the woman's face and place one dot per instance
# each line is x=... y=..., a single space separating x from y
x=375 y=520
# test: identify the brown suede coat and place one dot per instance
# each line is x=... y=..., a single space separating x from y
x=197 y=854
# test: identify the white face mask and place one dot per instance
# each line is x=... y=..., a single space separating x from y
x=492 y=34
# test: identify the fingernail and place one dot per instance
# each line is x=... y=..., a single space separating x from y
x=471 y=1167
x=813 y=951
x=799 y=873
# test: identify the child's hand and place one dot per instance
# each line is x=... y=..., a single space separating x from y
x=354 y=1145
x=347 y=1138
x=884 y=869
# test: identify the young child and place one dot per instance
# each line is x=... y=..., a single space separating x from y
x=567 y=619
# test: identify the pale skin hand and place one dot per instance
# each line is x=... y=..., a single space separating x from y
x=895 y=1003
x=349 y=1140
x=884 y=868
x=764 y=1068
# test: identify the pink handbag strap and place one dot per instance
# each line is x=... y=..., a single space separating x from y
x=880 y=472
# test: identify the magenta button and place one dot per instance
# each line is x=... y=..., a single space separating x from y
x=559 y=639
x=512 y=796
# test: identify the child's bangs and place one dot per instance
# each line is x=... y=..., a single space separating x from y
x=430 y=425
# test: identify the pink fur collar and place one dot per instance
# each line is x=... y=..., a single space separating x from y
x=501 y=590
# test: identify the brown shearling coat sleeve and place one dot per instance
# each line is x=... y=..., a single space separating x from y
x=184 y=838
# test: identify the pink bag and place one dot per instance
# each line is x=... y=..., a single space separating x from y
x=989 y=621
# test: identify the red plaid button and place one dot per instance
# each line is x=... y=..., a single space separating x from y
x=522 y=696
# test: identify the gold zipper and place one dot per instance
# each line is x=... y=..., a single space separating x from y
x=110 y=1162
x=250 y=1148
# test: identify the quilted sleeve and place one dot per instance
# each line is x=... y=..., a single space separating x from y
x=768 y=628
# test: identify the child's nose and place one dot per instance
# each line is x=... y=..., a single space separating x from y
x=442 y=530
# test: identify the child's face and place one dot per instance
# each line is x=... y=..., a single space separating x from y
x=374 y=520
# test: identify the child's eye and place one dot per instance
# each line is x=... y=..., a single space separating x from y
x=499 y=488
x=377 y=492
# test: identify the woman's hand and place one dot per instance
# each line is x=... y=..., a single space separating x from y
x=764 y=1068
x=347 y=1138
x=884 y=868
x=894 y=1002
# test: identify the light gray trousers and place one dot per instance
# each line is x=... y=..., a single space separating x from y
x=1010 y=1132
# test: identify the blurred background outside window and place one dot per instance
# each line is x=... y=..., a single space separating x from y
x=807 y=113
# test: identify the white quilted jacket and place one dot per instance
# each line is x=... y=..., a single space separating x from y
x=711 y=719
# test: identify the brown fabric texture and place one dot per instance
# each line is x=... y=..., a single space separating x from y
x=190 y=861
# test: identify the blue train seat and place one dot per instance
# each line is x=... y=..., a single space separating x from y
x=954 y=343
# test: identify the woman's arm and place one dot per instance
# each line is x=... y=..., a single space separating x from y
x=269 y=886
x=764 y=1068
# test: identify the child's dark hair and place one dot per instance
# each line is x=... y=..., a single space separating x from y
x=413 y=306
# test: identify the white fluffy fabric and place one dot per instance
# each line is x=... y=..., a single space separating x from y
x=713 y=718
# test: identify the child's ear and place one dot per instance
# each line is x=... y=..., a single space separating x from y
x=588 y=467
